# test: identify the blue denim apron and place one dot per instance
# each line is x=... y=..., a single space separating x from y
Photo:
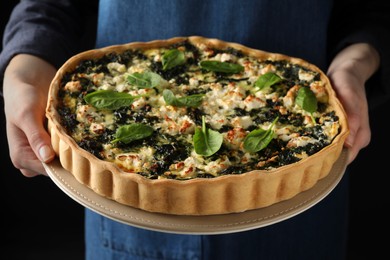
x=295 y=28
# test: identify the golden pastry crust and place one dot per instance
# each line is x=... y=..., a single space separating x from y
x=198 y=196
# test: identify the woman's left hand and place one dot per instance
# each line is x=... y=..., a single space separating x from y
x=348 y=72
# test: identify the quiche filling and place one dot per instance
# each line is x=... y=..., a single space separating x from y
x=190 y=111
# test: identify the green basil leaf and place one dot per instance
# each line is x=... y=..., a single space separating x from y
x=207 y=141
x=128 y=133
x=172 y=58
x=108 y=99
x=258 y=139
x=147 y=79
x=219 y=66
x=187 y=101
x=267 y=80
x=306 y=99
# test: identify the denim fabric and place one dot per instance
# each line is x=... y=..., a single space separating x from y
x=318 y=233
x=296 y=28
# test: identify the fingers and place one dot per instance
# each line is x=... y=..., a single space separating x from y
x=21 y=153
x=356 y=108
x=39 y=140
x=28 y=150
x=352 y=95
x=29 y=143
x=360 y=133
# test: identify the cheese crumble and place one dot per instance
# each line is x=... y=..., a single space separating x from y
x=231 y=104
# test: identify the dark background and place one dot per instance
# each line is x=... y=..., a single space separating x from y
x=39 y=221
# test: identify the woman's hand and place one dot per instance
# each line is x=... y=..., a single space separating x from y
x=26 y=83
x=348 y=72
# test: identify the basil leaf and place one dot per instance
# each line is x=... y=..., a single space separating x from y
x=128 y=133
x=146 y=80
x=172 y=58
x=219 y=66
x=258 y=139
x=108 y=99
x=207 y=141
x=187 y=101
x=306 y=99
x=267 y=80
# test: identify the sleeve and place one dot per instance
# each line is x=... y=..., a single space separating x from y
x=357 y=21
x=51 y=29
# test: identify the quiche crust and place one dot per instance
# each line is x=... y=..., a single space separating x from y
x=198 y=196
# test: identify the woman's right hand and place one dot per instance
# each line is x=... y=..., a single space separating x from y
x=25 y=88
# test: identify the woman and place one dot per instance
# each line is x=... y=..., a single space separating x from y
x=41 y=35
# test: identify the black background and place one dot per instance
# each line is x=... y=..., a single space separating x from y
x=39 y=221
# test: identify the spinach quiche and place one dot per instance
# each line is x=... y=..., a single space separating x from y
x=194 y=126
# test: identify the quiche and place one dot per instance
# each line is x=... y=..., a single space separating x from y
x=193 y=125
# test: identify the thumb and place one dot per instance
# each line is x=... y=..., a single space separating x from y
x=40 y=142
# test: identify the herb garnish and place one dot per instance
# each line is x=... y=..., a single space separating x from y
x=267 y=80
x=258 y=139
x=186 y=101
x=108 y=99
x=128 y=133
x=206 y=141
x=307 y=100
x=219 y=66
x=147 y=79
x=172 y=58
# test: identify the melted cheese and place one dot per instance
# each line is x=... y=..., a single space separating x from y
x=221 y=105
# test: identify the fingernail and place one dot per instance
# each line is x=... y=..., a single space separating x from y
x=45 y=153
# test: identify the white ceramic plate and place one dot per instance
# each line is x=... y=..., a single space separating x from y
x=214 y=224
